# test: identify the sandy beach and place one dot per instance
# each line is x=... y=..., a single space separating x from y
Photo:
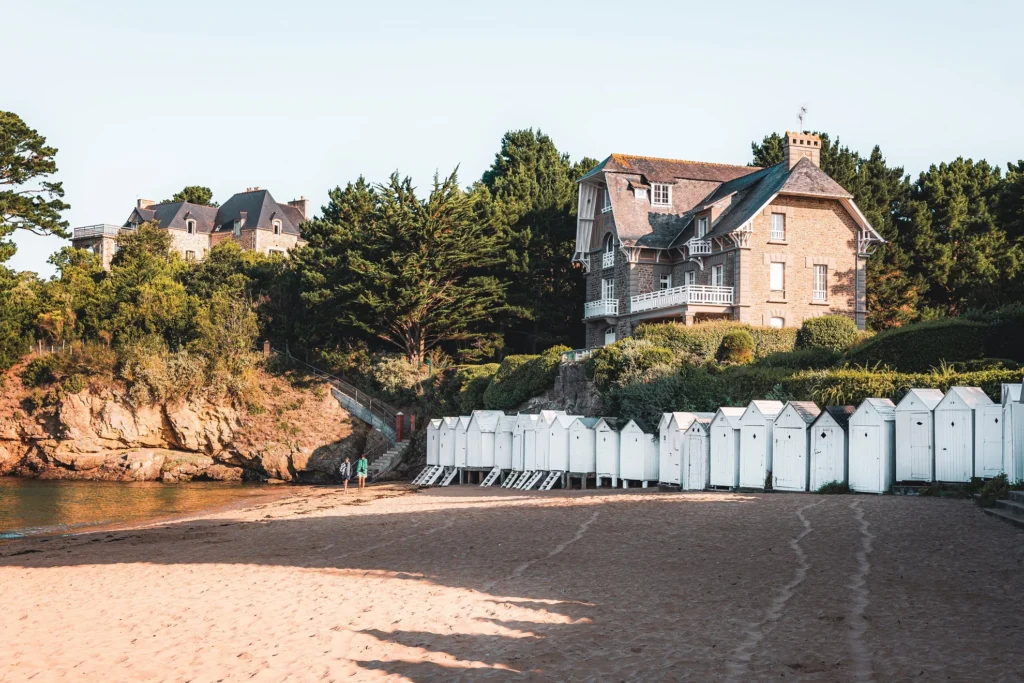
x=465 y=583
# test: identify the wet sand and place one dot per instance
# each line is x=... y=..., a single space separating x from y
x=466 y=583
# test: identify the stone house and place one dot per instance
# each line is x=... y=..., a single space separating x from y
x=662 y=239
x=252 y=218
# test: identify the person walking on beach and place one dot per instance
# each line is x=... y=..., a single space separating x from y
x=345 y=472
x=362 y=467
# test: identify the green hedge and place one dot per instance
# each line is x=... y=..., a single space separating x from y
x=626 y=362
x=923 y=346
x=836 y=332
x=737 y=347
x=702 y=341
x=520 y=378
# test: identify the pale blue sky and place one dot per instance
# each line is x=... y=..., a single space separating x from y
x=297 y=97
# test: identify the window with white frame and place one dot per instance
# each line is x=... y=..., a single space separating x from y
x=777 y=277
x=277 y=252
x=661 y=194
x=820 y=283
x=690 y=277
x=718 y=276
x=190 y=256
x=778 y=226
x=777 y=322
x=608 y=288
x=702 y=226
x=607 y=206
x=666 y=281
x=237 y=229
x=277 y=227
x=609 y=243
x=190 y=226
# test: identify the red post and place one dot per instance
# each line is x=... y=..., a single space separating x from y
x=399 y=427
x=412 y=423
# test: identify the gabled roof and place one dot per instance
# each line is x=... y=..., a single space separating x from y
x=1011 y=393
x=885 y=408
x=805 y=410
x=565 y=420
x=680 y=420
x=435 y=423
x=841 y=414
x=731 y=415
x=450 y=422
x=658 y=170
x=634 y=425
x=259 y=206
x=548 y=416
x=587 y=422
x=701 y=421
x=507 y=423
x=174 y=214
x=926 y=398
x=528 y=420
x=613 y=423
x=487 y=420
x=768 y=409
x=971 y=397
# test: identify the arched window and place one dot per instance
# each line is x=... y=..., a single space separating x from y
x=190 y=226
x=609 y=243
x=277 y=227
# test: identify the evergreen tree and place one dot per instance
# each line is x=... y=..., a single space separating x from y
x=194 y=194
x=27 y=200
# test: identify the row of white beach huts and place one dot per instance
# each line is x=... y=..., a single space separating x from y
x=795 y=446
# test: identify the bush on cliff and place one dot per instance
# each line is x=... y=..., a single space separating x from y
x=835 y=332
x=626 y=362
x=701 y=342
x=923 y=346
x=522 y=377
x=737 y=347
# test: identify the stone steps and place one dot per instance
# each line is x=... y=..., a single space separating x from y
x=1005 y=517
x=1010 y=511
x=387 y=460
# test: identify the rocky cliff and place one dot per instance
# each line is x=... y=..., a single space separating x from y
x=299 y=433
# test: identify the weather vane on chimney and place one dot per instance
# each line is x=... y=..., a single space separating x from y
x=802 y=115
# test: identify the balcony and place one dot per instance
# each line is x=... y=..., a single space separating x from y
x=698 y=247
x=682 y=296
x=101 y=230
x=608 y=259
x=600 y=308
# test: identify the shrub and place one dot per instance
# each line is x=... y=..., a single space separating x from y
x=626 y=362
x=701 y=342
x=836 y=332
x=920 y=347
x=996 y=488
x=834 y=487
x=520 y=378
x=803 y=359
x=396 y=378
x=74 y=384
x=39 y=371
x=737 y=347
x=473 y=381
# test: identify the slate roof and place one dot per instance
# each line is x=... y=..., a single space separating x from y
x=841 y=414
x=260 y=207
x=744 y=189
x=588 y=422
x=806 y=410
x=883 y=406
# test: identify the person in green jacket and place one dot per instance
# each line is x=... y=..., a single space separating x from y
x=362 y=467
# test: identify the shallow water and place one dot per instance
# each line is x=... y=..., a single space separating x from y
x=31 y=507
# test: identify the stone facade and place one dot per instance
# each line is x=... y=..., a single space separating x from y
x=193 y=246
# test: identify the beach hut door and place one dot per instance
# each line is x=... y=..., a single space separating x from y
x=696 y=462
x=871 y=470
x=753 y=456
x=788 y=458
x=991 y=442
x=920 y=447
x=828 y=461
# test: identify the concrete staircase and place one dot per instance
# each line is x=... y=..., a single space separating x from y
x=1010 y=511
x=385 y=461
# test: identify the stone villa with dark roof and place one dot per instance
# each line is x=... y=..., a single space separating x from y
x=688 y=241
x=252 y=218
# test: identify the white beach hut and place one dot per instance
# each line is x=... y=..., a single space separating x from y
x=725 y=447
x=540 y=460
x=995 y=450
x=583 y=447
x=956 y=438
x=461 y=441
x=638 y=455
x=524 y=437
x=671 y=436
x=829 y=461
x=434 y=442
x=1013 y=432
x=915 y=435
x=446 y=441
x=606 y=437
x=558 y=442
x=756 y=442
x=483 y=424
x=872 y=446
x=791 y=436
x=503 y=441
x=696 y=465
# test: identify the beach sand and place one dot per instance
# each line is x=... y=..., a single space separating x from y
x=466 y=583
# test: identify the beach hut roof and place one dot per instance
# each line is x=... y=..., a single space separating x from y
x=613 y=423
x=681 y=420
x=972 y=397
x=450 y=421
x=548 y=416
x=841 y=414
x=928 y=397
x=731 y=415
x=1011 y=393
x=507 y=423
x=588 y=422
x=634 y=425
x=435 y=423
x=464 y=420
x=767 y=408
x=807 y=411
x=528 y=420
x=885 y=408
x=487 y=420
x=565 y=420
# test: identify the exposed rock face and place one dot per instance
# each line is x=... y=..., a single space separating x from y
x=302 y=435
x=573 y=393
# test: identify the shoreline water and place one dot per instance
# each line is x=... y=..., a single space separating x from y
x=221 y=497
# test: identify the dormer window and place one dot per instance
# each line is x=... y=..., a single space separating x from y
x=607 y=206
x=238 y=228
x=277 y=227
x=661 y=194
x=702 y=226
x=190 y=226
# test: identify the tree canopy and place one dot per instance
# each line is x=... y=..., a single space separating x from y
x=193 y=194
x=28 y=201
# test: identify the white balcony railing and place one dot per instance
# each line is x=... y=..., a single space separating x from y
x=608 y=259
x=698 y=247
x=680 y=296
x=601 y=308
x=101 y=230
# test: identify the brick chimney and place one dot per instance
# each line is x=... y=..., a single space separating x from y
x=800 y=145
x=144 y=203
x=302 y=204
